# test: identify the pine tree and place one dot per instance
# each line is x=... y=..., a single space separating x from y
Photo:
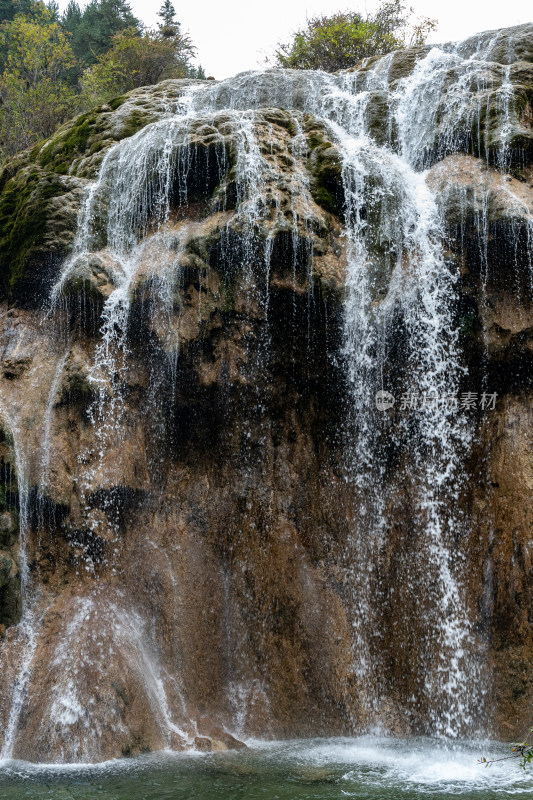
x=53 y=8
x=100 y=21
x=167 y=13
x=169 y=25
x=8 y=8
x=71 y=17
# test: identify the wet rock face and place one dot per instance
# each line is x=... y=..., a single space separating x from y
x=207 y=526
x=10 y=594
x=166 y=483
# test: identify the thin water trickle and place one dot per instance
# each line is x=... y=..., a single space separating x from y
x=28 y=627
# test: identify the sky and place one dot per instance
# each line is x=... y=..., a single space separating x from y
x=234 y=35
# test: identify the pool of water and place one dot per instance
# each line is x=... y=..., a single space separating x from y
x=318 y=769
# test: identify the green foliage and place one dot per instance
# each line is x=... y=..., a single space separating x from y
x=34 y=91
x=197 y=72
x=341 y=40
x=93 y=29
x=52 y=69
x=523 y=751
x=169 y=25
x=8 y=8
x=135 y=60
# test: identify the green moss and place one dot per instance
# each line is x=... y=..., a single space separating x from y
x=86 y=135
x=78 y=136
x=134 y=122
x=5 y=570
x=468 y=324
x=280 y=117
x=325 y=199
x=116 y=102
x=59 y=152
x=316 y=139
x=35 y=152
x=226 y=290
x=96 y=147
x=326 y=184
x=24 y=206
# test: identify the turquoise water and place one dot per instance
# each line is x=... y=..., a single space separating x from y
x=320 y=769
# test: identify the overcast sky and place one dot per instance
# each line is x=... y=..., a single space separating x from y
x=231 y=35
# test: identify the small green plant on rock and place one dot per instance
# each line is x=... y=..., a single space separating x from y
x=521 y=750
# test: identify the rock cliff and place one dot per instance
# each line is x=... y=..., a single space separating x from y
x=206 y=525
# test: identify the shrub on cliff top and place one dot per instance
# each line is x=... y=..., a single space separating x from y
x=135 y=60
x=343 y=39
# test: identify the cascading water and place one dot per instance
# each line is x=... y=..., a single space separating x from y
x=212 y=154
x=27 y=629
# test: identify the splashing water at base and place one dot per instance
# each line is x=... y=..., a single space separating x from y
x=367 y=768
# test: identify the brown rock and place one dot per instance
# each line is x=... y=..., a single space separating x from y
x=203 y=744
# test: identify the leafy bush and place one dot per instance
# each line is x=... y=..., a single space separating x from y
x=34 y=92
x=135 y=60
x=52 y=68
x=341 y=40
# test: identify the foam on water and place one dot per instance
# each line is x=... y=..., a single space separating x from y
x=363 y=767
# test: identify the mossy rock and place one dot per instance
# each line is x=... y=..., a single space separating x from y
x=6 y=567
x=24 y=215
x=279 y=116
x=403 y=63
x=10 y=592
x=378 y=120
x=521 y=74
x=91 y=278
x=9 y=524
x=512 y=44
x=519 y=139
x=40 y=189
x=326 y=184
x=325 y=166
x=88 y=134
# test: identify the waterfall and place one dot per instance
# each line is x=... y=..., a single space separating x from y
x=187 y=237
x=27 y=629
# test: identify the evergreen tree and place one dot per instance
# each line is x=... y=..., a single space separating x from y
x=169 y=25
x=167 y=13
x=8 y=8
x=70 y=22
x=100 y=21
x=53 y=8
x=197 y=72
x=71 y=18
